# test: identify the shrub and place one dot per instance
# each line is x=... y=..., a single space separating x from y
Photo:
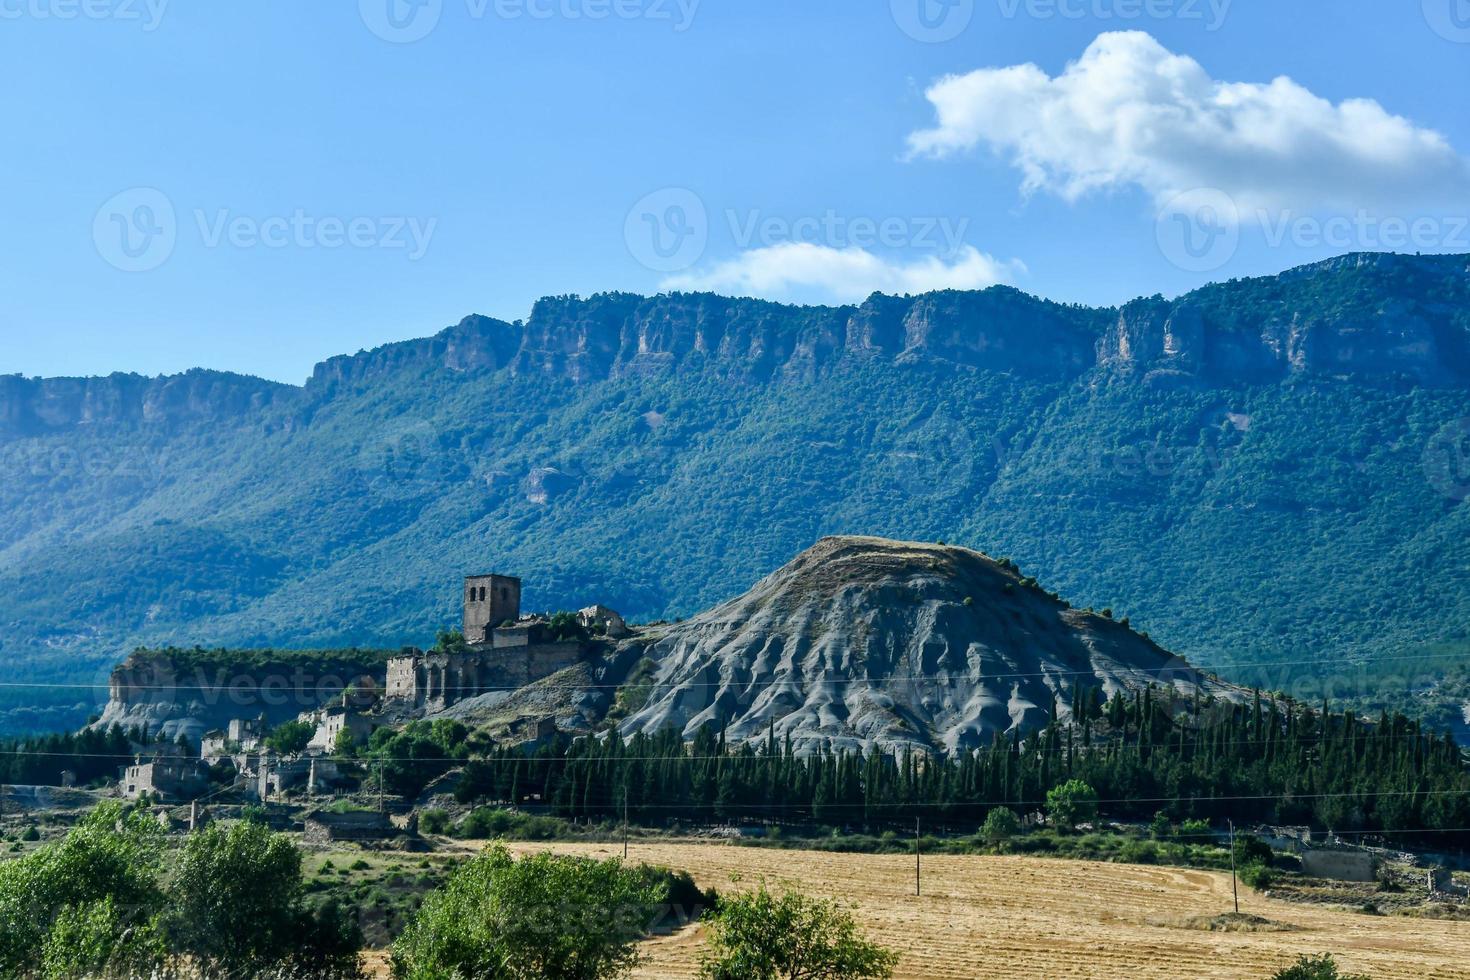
x=544 y=916
x=760 y=936
x=1250 y=849
x=1322 y=967
x=1139 y=852
x=1257 y=875
x=111 y=856
x=1000 y=825
x=248 y=876
x=434 y=822
x=1160 y=828
x=1071 y=803
x=96 y=940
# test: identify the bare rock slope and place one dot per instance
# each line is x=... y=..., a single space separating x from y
x=863 y=642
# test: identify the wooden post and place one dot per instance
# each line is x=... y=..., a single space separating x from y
x=1234 y=882
x=917 y=866
x=625 y=823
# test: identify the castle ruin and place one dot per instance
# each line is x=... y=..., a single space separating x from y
x=503 y=650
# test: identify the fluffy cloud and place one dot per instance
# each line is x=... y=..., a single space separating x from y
x=802 y=270
x=1131 y=113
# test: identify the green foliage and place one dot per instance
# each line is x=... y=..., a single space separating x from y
x=112 y=856
x=237 y=907
x=434 y=821
x=1165 y=501
x=1250 y=849
x=1001 y=824
x=543 y=917
x=97 y=940
x=1257 y=875
x=290 y=738
x=761 y=936
x=1322 y=967
x=1071 y=803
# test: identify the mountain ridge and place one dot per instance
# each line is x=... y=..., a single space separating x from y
x=612 y=335
x=1287 y=506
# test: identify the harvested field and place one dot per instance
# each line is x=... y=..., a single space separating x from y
x=1015 y=916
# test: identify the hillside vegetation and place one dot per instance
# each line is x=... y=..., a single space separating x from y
x=1258 y=472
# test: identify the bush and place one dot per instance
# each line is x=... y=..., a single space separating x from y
x=544 y=916
x=760 y=936
x=1257 y=875
x=1139 y=852
x=1322 y=967
x=111 y=856
x=229 y=878
x=1072 y=803
x=96 y=940
x=1000 y=825
x=434 y=822
x=1250 y=849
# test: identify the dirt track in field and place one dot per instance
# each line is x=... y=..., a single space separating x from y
x=983 y=917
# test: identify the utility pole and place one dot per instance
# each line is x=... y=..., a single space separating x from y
x=1234 y=882
x=625 y=823
x=917 y=866
x=382 y=806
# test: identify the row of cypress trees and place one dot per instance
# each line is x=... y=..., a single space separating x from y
x=1259 y=761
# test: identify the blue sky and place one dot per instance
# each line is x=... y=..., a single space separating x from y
x=257 y=186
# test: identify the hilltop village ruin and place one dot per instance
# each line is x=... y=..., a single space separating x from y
x=502 y=649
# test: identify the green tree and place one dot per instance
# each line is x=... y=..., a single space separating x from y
x=237 y=898
x=290 y=737
x=96 y=940
x=1071 y=803
x=761 y=936
x=1000 y=825
x=112 y=856
x=544 y=917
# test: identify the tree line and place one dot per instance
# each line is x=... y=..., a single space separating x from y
x=1149 y=752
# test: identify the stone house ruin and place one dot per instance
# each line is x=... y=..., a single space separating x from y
x=505 y=651
x=326 y=826
x=167 y=776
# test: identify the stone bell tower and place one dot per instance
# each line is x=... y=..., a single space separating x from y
x=489 y=601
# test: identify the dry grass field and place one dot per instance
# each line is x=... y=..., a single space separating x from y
x=1032 y=917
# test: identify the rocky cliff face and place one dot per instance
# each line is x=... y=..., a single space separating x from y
x=1365 y=316
x=30 y=406
x=863 y=642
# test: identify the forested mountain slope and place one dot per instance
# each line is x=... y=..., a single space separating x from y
x=1266 y=470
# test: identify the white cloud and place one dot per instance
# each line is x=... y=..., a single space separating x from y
x=1131 y=113
x=802 y=270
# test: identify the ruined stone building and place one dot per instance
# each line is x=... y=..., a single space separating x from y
x=505 y=650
